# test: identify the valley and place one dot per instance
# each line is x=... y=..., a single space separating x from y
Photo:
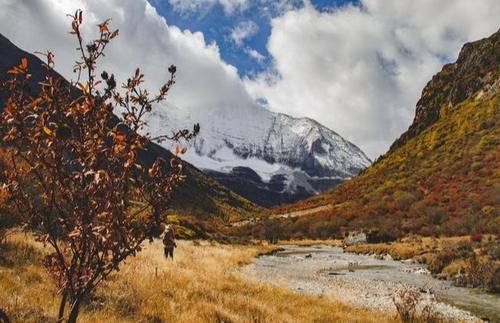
x=235 y=199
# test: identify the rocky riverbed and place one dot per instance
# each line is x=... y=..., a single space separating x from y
x=365 y=281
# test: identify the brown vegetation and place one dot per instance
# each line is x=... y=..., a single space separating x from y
x=201 y=285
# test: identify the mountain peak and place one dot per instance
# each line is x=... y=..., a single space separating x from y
x=289 y=154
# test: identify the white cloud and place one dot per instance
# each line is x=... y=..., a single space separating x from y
x=242 y=31
x=204 y=81
x=360 y=70
x=255 y=55
x=190 y=6
x=357 y=70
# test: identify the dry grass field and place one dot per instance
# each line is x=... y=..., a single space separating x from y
x=201 y=285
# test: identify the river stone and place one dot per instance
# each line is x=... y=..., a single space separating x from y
x=355 y=238
x=387 y=257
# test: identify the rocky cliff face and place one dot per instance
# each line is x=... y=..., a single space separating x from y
x=474 y=73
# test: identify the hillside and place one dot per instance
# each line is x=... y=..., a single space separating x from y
x=204 y=203
x=442 y=176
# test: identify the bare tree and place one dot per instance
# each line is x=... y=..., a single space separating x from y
x=74 y=173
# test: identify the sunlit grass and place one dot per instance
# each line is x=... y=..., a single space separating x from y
x=203 y=284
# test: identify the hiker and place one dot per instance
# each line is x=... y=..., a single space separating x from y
x=169 y=244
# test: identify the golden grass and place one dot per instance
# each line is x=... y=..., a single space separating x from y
x=201 y=285
x=399 y=250
x=419 y=248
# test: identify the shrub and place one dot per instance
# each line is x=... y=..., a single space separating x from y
x=403 y=200
x=3 y=317
x=412 y=306
x=7 y=221
x=7 y=217
x=476 y=237
x=440 y=261
x=492 y=250
x=480 y=273
x=382 y=236
x=272 y=231
x=476 y=166
x=75 y=175
x=405 y=300
x=491 y=277
x=461 y=250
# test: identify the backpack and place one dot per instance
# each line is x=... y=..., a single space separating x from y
x=168 y=237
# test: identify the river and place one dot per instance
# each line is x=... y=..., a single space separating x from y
x=364 y=281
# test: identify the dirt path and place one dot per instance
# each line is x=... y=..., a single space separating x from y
x=302 y=212
x=293 y=214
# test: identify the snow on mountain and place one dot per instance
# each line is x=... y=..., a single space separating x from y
x=299 y=153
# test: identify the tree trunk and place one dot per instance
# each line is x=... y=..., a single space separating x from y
x=3 y=317
x=62 y=305
x=75 y=308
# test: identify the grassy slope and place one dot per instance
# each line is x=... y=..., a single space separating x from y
x=444 y=181
x=202 y=285
x=442 y=176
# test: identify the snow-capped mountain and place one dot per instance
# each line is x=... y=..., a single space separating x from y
x=268 y=157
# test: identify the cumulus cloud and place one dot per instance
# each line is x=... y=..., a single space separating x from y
x=242 y=31
x=204 y=81
x=360 y=69
x=190 y=6
x=357 y=69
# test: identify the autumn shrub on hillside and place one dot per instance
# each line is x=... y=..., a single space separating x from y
x=449 y=253
x=75 y=175
x=468 y=263
x=443 y=182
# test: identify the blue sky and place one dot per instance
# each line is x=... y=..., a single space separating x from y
x=217 y=26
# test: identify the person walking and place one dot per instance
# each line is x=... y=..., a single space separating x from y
x=168 y=238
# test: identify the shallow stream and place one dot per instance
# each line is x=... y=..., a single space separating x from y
x=365 y=281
